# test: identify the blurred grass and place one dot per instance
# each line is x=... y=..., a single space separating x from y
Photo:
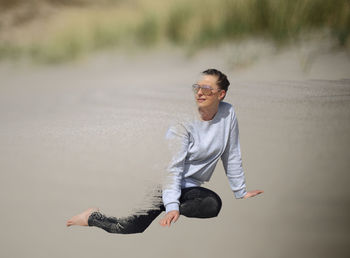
x=76 y=28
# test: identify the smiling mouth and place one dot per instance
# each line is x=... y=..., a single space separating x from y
x=200 y=100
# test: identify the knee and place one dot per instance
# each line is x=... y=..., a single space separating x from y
x=212 y=206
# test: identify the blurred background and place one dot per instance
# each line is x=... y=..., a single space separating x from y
x=60 y=30
x=89 y=88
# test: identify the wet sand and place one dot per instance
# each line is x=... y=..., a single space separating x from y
x=90 y=134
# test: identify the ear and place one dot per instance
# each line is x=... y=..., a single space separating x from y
x=222 y=94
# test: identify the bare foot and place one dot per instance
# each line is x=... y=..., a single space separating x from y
x=82 y=218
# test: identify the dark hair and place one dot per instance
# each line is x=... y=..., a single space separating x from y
x=222 y=78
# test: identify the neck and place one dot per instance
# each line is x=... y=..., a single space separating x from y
x=208 y=113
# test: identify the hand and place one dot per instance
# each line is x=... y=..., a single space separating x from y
x=252 y=193
x=171 y=216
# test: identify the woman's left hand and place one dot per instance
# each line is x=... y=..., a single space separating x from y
x=252 y=193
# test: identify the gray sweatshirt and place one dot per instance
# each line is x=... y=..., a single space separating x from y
x=201 y=145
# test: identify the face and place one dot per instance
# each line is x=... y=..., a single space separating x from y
x=214 y=97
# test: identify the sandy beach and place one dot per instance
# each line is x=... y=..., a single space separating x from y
x=91 y=133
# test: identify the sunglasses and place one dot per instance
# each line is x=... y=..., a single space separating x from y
x=206 y=90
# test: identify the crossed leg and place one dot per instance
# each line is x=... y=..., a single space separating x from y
x=195 y=202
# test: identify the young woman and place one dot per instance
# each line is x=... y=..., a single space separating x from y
x=203 y=142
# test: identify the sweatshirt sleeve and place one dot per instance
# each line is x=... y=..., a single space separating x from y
x=178 y=142
x=232 y=161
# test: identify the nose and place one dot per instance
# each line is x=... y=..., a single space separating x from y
x=200 y=93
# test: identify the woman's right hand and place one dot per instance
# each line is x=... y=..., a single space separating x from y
x=171 y=216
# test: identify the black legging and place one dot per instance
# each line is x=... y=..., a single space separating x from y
x=195 y=202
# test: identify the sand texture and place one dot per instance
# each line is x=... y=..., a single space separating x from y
x=91 y=134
